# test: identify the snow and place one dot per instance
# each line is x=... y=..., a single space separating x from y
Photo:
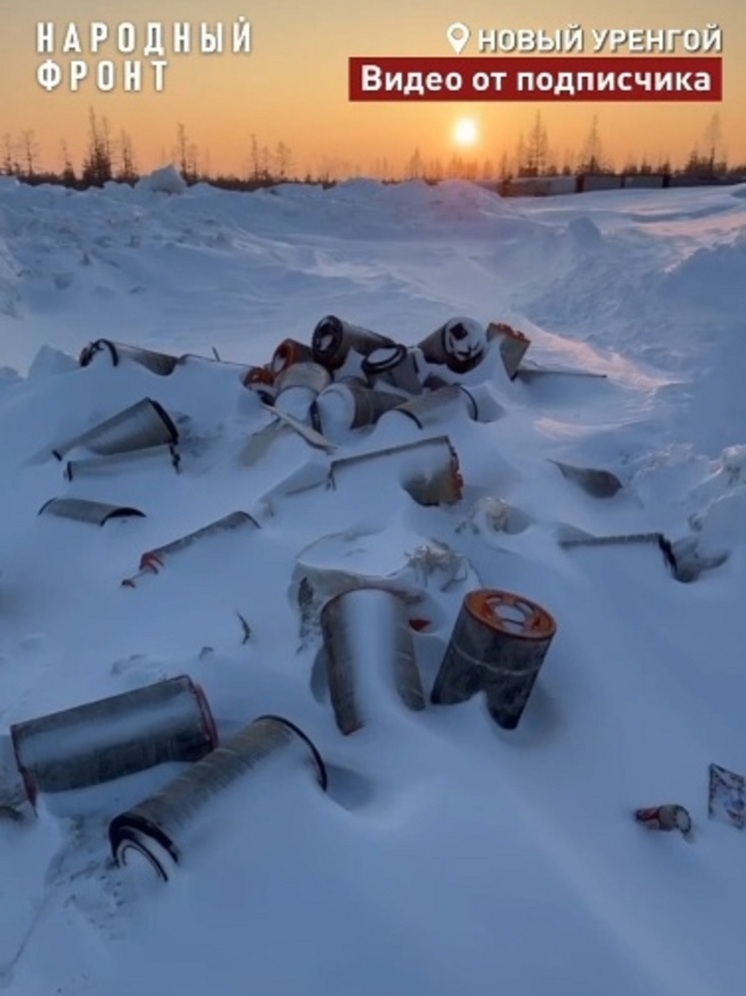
x=448 y=855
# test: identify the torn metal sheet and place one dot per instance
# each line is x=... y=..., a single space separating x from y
x=185 y=814
x=152 y=561
x=140 y=426
x=727 y=796
x=120 y=463
x=96 y=512
x=597 y=483
x=512 y=343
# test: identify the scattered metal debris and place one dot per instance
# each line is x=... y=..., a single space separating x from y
x=162 y=827
x=119 y=462
x=512 y=344
x=95 y=512
x=497 y=646
x=667 y=817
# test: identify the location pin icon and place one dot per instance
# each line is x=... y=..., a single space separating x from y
x=458 y=35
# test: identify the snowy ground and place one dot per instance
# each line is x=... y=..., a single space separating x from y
x=448 y=855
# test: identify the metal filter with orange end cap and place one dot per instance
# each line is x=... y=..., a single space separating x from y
x=497 y=646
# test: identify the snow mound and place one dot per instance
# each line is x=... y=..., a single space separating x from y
x=166 y=180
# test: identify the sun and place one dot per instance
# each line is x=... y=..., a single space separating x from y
x=465 y=132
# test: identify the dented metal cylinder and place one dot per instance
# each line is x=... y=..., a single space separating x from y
x=497 y=646
x=369 y=654
x=113 y=737
x=158 y=363
x=159 y=830
x=138 y=427
x=333 y=339
x=459 y=344
x=349 y=406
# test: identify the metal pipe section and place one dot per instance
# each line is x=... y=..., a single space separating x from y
x=333 y=339
x=153 y=560
x=164 y=826
x=141 y=425
x=497 y=646
x=96 y=512
x=368 y=646
x=458 y=344
x=158 y=363
x=121 y=462
x=113 y=737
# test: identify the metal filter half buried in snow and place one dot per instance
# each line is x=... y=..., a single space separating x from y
x=113 y=737
x=368 y=652
x=120 y=463
x=333 y=339
x=96 y=512
x=138 y=427
x=165 y=825
x=427 y=469
x=497 y=647
x=153 y=560
x=158 y=363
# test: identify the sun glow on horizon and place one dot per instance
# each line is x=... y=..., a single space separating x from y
x=466 y=132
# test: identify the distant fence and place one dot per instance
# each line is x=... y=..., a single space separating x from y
x=544 y=186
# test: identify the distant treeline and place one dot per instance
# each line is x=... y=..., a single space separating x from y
x=109 y=158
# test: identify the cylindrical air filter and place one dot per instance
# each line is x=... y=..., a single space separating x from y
x=96 y=512
x=333 y=338
x=114 y=737
x=368 y=652
x=288 y=353
x=459 y=344
x=161 y=828
x=297 y=387
x=497 y=646
x=158 y=363
x=122 y=463
x=348 y=406
x=395 y=366
x=142 y=425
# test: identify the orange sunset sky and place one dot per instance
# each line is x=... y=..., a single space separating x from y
x=293 y=86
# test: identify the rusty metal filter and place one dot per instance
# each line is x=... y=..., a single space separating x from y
x=288 y=353
x=160 y=829
x=113 y=737
x=368 y=643
x=333 y=339
x=158 y=363
x=141 y=425
x=497 y=646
